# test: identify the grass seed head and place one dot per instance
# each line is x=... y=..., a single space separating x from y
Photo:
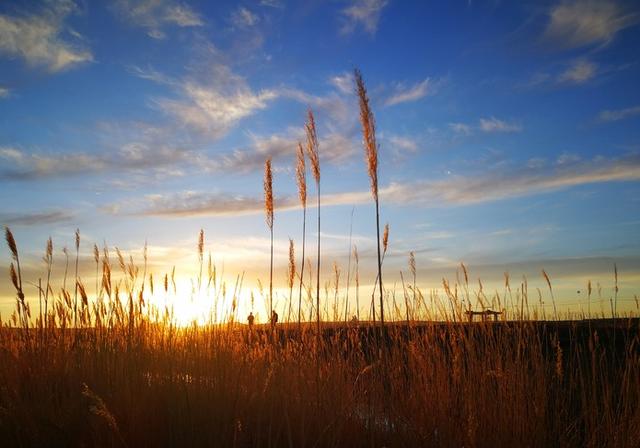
x=268 y=192
x=312 y=146
x=301 y=175
x=368 y=123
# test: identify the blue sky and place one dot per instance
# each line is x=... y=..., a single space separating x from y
x=508 y=132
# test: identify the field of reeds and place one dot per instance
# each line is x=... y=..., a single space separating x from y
x=115 y=368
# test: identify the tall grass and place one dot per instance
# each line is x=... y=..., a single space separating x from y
x=370 y=144
x=268 y=207
x=301 y=182
x=132 y=379
x=313 y=152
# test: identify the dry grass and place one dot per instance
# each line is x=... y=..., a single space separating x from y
x=128 y=376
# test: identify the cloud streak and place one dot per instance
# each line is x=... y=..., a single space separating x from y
x=41 y=39
x=579 y=72
x=362 y=13
x=212 y=108
x=619 y=114
x=33 y=219
x=155 y=15
x=404 y=94
x=579 y=23
x=487 y=125
x=453 y=191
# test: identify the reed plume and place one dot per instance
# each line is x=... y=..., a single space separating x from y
x=314 y=159
x=301 y=181
x=75 y=291
x=553 y=300
x=268 y=207
x=371 y=156
x=346 y=304
x=291 y=275
x=200 y=256
x=48 y=259
x=16 y=276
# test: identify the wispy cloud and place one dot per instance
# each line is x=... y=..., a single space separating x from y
x=461 y=128
x=37 y=218
x=4 y=92
x=579 y=23
x=272 y=3
x=619 y=114
x=153 y=156
x=494 y=185
x=362 y=13
x=336 y=149
x=404 y=94
x=402 y=145
x=155 y=15
x=215 y=107
x=579 y=72
x=243 y=18
x=488 y=125
x=492 y=124
x=42 y=39
x=131 y=157
x=343 y=83
x=514 y=182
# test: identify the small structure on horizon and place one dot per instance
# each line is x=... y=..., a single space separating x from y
x=485 y=314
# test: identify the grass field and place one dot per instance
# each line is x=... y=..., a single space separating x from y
x=127 y=375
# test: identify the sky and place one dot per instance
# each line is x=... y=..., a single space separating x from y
x=508 y=134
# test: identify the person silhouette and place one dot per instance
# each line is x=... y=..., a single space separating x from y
x=250 y=320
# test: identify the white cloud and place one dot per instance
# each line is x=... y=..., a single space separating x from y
x=154 y=15
x=403 y=144
x=344 y=83
x=620 y=114
x=579 y=72
x=150 y=158
x=35 y=218
x=365 y=13
x=40 y=40
x=271 y=3
x=404 y=94
x=460 y=128
x=215 y=108
x=335 y=149
x=586 y=22
x=492 y=124
x=4 y=92
x=243 y=18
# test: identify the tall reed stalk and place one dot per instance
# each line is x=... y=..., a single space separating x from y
x=268 y=207
x=75 y=291
x=291 y=275
x=16 y=278
x=371 y=156
x=314 y=159
x=301 y=181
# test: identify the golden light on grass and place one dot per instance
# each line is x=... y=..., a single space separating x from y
x=368 y=125
x=301 y=182
x=313 y=152
x=268 y=208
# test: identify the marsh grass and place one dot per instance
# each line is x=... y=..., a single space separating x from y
x=127 y=375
